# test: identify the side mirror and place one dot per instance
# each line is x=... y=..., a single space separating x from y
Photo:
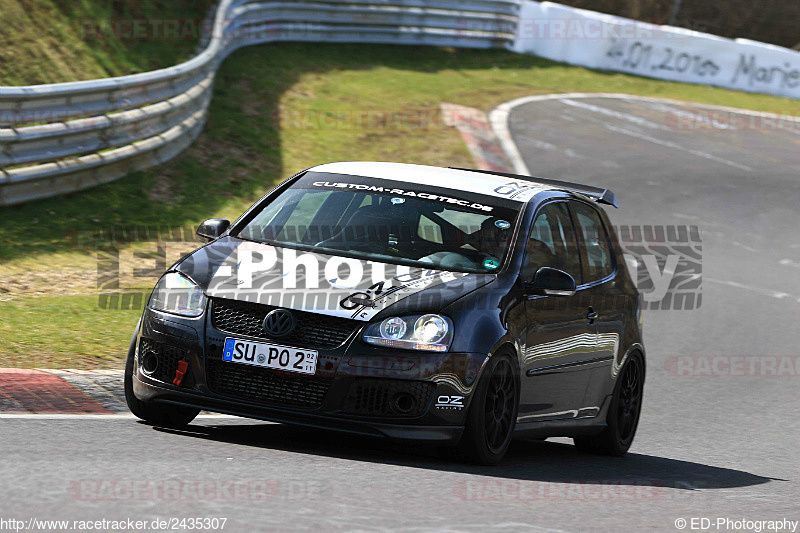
x=551 y=282
x=213 y=228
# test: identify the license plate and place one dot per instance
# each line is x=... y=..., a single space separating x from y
x=270 y=356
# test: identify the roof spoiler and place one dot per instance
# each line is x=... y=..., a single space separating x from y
x=598 y=194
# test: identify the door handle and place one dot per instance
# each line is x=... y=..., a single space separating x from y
x=591 y=315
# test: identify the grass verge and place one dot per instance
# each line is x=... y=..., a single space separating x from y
x=63 y=332
x=51 y=41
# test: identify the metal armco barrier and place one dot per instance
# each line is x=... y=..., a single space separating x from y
x=64 y=137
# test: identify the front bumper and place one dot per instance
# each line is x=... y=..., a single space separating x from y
x=146 y=391
x=355 y=388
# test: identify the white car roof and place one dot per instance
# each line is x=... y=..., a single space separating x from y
x=458 y=180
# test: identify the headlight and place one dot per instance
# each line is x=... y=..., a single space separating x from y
x=177 y=294
x=420 y=332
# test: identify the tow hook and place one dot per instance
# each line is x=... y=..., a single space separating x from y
x=180 y=372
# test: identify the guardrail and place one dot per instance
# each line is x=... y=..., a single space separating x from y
x=65 y=137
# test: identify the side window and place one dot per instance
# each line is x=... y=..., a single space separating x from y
x=552 y=243
x=595 y=251
x=542 y=232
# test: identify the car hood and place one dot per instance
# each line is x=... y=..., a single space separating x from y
x=334 y=285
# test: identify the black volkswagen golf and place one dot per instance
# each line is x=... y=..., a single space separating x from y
x=457 y=306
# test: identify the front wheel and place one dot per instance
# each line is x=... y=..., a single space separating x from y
x=623 y=413
x=493 y=413
x=159 y=414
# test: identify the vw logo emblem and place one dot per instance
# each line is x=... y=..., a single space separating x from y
x=279 y=323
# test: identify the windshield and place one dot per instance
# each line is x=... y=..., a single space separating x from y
x=372 y=219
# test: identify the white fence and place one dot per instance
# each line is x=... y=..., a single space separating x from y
x=66 y=137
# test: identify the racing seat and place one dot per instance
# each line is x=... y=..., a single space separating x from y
x=489 y=237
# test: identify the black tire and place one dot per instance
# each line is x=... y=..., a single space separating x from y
x=492 y=414
x=154 y=413
x=623 y=413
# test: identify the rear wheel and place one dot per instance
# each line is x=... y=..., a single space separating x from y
x=623 y=414
x=160 y=414
x=492 y=414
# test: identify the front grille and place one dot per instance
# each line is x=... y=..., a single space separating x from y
x=167 y=357
x=388 y=397
x=313 y=330
x=264 y=385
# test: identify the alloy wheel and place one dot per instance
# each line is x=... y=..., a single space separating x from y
x=499 y=406
x=630 y=400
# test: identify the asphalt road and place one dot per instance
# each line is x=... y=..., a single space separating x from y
x=708 y=445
